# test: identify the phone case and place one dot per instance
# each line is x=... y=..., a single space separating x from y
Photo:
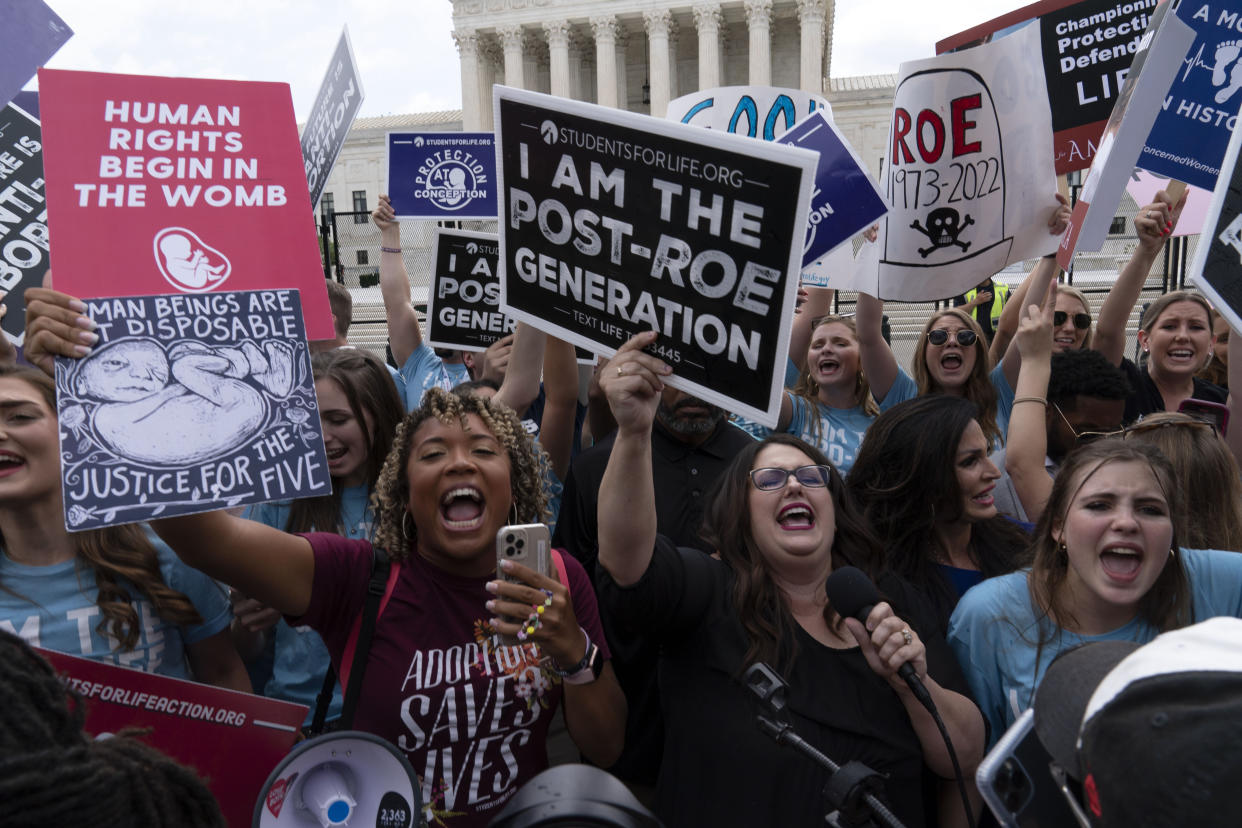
x=1016 y=781
x=528 y=544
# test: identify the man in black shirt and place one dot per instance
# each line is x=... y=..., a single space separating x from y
x=692 y=444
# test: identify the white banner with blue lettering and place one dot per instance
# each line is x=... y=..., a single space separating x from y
x=764 y=112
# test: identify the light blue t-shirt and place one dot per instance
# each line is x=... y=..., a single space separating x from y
x=904 y=388
x=841 y=430
x=299 y=658
x=425 y=370
x=54 y=607
x=994 y=632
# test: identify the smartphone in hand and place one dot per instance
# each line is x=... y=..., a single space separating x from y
x=529 y=544
x=1019 y=784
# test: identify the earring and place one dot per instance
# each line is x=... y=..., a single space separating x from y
x=1061 y=548
x=513 y=513
x=408 y=534
x=1173 y=552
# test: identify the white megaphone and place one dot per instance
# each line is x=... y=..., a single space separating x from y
x=349 y=778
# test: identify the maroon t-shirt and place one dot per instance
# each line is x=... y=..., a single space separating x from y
x=470 y=714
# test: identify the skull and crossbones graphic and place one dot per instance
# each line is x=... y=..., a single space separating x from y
x=942 y=229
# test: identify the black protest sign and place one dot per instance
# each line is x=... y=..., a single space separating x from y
x=1087 y=46
x=1217 y=268
x=614 y=223
x=189 y=403
x=23 y=215
x=463 y=308
x=336 y=106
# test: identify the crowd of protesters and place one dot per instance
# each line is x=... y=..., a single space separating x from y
x=1012 y=495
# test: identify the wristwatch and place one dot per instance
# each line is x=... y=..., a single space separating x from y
x=585 y=671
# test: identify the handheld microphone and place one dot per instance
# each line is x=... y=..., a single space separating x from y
x=852 y=595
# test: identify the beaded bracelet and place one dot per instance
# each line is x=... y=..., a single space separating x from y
x=390 y=249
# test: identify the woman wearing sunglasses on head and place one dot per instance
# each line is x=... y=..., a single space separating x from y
x=1205 y=470
x=781 y=522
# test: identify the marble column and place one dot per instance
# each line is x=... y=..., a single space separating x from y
x=605 y=30
x=581 y=64
x=468 y=50
x=812 y=15
x=512 y=37
x=491 y=71
x=622 y=69
x=658 y=22
x=558 y=56
x=759 y=21
x=707 y=21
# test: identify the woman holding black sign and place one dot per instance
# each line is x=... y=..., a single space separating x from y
x=782 y=523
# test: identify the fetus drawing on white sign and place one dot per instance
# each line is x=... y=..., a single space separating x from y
x=189 y=403
x=187 y=262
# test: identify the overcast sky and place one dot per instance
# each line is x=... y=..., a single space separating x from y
x=403 y=47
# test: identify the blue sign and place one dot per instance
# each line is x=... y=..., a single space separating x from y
x=31 y=34
x=442 y=175
x=844 y=200
x=1200 y=111
x=189 y=403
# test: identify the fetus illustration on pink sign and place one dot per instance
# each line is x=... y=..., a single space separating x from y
x=189 y=263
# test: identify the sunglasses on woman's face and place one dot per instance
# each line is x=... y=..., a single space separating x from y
x=771 y=479
x=1082 y=321
x=965 y=337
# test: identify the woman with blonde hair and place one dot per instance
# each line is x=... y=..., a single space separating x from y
x=830 y=405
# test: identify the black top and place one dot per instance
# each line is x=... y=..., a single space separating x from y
x=683 y=476
x=1146 y=399
x=719 y=768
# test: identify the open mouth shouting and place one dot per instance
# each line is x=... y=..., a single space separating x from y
x=1122 y=562
x=461 y=508
x=951 y=361
x=796 y=517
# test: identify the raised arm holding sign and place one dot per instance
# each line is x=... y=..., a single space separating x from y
x=709 y=262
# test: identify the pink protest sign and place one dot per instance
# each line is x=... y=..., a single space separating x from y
x=195 y=184
x=1143 y=187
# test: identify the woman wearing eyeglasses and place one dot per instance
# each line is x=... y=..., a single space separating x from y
x=781 y=522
